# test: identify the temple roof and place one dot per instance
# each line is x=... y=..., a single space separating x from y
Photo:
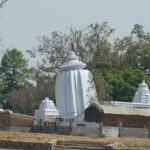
x=46 y=108
x=125 y=110
x=47 y=104
x=117 y=110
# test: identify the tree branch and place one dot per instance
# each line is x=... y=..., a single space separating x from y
x=2 y=2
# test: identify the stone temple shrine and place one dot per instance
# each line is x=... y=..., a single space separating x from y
x=142 y=94
x=74 y=87
x=46 y=113
x=78 y=112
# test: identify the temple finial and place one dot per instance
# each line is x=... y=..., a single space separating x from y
x=72 y=47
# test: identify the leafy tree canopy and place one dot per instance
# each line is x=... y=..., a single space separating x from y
x=117 y=66
x=14 y=71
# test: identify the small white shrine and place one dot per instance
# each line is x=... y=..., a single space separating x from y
x=142 y=94
x=141 y=98
x=74 y=87
x=46 y=113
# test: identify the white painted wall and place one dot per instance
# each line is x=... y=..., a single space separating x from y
x=110 y=131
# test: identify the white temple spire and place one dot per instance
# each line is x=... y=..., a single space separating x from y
x=72 y=87
x=72 y=62
x=142 y=94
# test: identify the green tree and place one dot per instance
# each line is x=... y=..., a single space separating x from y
x=97 y=42
x=117 y=84
x=52 y=50
x=113 y=64
x=14 y=71
x=124 y=83
x=103 y=89
x=91 y=43
x=27 y=99
x=92 y=46
x=133 y=51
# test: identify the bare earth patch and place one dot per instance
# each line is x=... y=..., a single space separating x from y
x=140 y=143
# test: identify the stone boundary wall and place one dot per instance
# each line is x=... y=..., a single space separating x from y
x=126 y=132
x=85 y=131
x=126 y=120
x=21 y=145
x=110 y=131
x=89 y=131
x=20 y=128
x=63 y=130
x=135 y=132
x=43 y=129
x=14 y=121
x=66 y=130
x=20 y=119
x=4 y=122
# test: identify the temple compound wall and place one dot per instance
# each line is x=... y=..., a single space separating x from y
x=112 y=121
x=15 y=122
x=99 y=120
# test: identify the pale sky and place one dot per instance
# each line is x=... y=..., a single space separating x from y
x=21 y=21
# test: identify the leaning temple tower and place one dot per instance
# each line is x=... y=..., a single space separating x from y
x=74 y=87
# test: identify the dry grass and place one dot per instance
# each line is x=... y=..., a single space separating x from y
x=44 y=138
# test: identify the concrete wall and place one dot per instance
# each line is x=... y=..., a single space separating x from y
x=66 y=130
x=87 y=124
x=85 y=128
x=20 y=128
x=98 y=130
x=48 y=129
x=65 y=122
x=135 y=132
x=63 y=130
x=20 y=119
x=43 y=129
x=15 y=122
x=85 y=131
x=110 y=131
x=95 y=130
x=135 y=121
x=79 y=118
x=4 y=121
x=126 y=132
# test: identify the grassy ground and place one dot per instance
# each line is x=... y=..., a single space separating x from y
x=44 y=138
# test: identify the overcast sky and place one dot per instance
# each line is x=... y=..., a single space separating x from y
x=21 y=21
